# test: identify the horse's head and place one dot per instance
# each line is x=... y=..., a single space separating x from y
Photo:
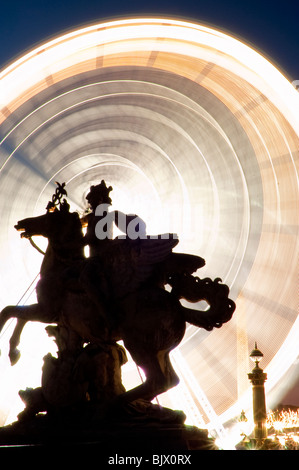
x=33 y=226
x=62 y=228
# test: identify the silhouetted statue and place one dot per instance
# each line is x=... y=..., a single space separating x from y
x=118 y=293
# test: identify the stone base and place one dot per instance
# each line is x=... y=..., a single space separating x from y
x=159 y=430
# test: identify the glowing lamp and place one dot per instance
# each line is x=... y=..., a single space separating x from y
x=256 y=355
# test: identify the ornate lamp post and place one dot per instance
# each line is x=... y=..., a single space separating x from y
x=258 y=378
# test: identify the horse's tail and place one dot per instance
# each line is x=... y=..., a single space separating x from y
x=209 y=318
x=220 y=308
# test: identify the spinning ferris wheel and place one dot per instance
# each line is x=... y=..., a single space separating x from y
x=198 y=134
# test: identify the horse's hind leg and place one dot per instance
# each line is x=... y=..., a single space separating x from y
x=160 y=377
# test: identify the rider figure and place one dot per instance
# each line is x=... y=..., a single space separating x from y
x=100 y=221
x=102 y=246
x=98 y=197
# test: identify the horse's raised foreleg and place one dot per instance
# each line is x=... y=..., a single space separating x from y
x=23 y=314
x=14 y=353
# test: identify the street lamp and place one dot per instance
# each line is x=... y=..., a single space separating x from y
x=258 y=378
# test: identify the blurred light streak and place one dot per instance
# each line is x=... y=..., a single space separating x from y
x=184 y=371
x=185 y=37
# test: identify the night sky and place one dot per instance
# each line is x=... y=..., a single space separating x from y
x=270 y=27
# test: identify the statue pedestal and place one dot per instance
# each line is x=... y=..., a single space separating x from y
x=161 y=430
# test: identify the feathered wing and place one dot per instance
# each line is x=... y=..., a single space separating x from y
x=131 y=264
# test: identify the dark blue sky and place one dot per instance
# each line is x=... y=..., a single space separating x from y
x=271 y=27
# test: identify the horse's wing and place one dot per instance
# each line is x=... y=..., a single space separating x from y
x=182 y=263
x=131 y=263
